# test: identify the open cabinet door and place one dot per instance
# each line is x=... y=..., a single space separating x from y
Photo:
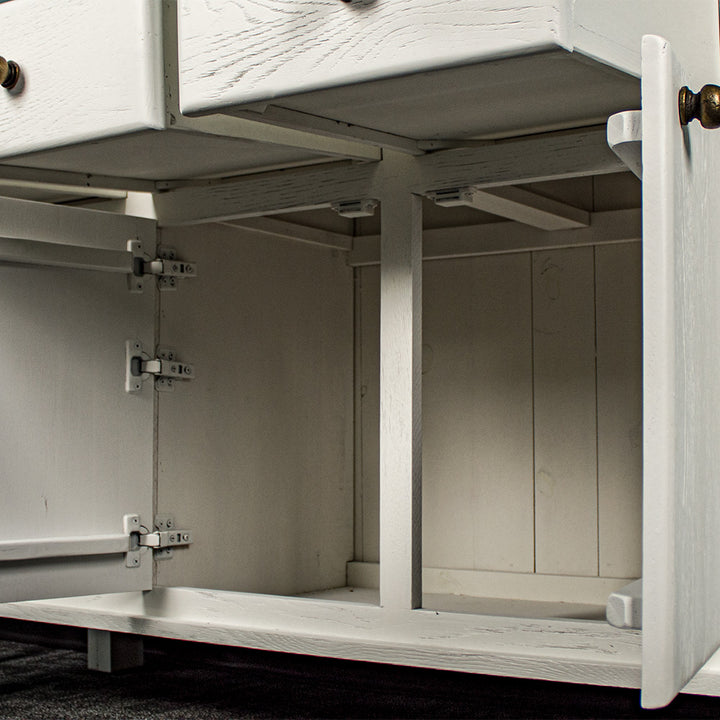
x=76 y=450
x=681 y=278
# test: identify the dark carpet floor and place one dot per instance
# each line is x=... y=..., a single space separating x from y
x=184 y=681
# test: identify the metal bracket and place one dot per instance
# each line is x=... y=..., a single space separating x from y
x=166 y=267
x=451 y=197
x=165 y=537
x=356 y=209
x=164 y=367
x=131 y=527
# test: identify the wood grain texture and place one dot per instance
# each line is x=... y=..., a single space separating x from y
x=565 y=412
x=612 y=32
x=401 y=443
x=255 y=455
x=681 y=264
x=567 y=155
x=91 y=69
x=299 y=45
x=567 y=651
x=618 y=292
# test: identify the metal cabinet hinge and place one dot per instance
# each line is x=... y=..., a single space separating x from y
x=165 y=537
x=166 y=267
x=164 y=366
x=161 y=540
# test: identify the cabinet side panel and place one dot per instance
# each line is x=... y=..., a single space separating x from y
x=618 y=271
x=565 y=412
x=255 y=454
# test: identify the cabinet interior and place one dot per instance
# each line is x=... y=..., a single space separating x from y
x=532 y=415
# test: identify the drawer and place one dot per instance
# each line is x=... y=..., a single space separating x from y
x=91 y=69
x=427 y=69
x=238 y=51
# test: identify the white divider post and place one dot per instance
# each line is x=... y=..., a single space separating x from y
x=400 y=389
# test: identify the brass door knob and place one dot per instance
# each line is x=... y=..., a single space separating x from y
x=703 y=106
x=9 y=73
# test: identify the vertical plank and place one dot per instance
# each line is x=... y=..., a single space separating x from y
x=400 y=398
x=619 y=388
x=477 y=414
x=369 y=380
x=565 y=412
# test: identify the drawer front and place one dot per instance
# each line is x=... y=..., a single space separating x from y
x=89 y=69
x=240 y=51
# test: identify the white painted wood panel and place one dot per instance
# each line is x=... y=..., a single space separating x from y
x=565 y=412
x=561 y=650
x=255 y=454
x=401 y=413
x=612 y=30
x=91 y=69
x=681 y=264
x=477 y=383
x=77 y=450
x=532 y=159
x=618 y=292
x=299 y=45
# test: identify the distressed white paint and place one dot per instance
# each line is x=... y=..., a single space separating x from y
x=400 y=391
x=562 y=650
x=612 y=30
x=91 y=69
x=300 y=45
x=681 y=264
x=425 y=69
x=526 y=160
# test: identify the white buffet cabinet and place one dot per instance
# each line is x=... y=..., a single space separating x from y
x=438 y=379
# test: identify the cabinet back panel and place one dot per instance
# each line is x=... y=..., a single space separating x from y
x=255 y=455
x=530 y=459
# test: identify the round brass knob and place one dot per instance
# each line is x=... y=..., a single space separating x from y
x=703 y=106
x=9 y=73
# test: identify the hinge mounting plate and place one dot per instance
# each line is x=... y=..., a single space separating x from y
x=166 y=267
x=163 y=366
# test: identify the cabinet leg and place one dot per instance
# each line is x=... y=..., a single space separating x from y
x=112 y=651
